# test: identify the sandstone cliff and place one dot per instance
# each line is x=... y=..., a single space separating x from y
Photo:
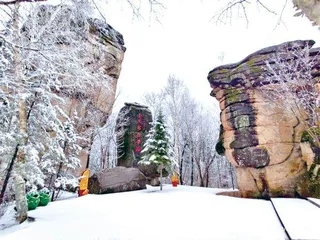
x=260 y=139
x=103 y=53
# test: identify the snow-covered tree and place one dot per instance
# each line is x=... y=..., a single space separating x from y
x=42 y=65
x=157 y=148
x=195 y=130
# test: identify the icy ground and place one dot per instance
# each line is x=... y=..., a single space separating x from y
x=175 y=213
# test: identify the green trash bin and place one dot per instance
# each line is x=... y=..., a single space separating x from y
x=44 y=199
x=33 y=200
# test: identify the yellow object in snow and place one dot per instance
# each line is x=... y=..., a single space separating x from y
x=84 y=180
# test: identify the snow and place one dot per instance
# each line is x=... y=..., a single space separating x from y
x=174 y=213
x=63 y=195
x=8 y=218
x=300 y=217
x=315 y=200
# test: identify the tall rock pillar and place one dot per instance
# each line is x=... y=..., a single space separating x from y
x=133 y=124
x=260 y=139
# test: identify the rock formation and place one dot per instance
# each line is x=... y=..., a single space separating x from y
x=261 y=140
x=118 y=179
x=151 y=172
x=310 y=8
x=104 y=53
x=133 y=124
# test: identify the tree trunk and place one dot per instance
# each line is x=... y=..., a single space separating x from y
x=14 y=157
x=58 y=172
x=219 y=175
x=207 y=176
x=192 y=170
x=6 y=180
x=161 y=168
x=177 y=151
x=181 y=163
x=231 y=175
x=22 y=116
x=21 y=200
x=180 y=172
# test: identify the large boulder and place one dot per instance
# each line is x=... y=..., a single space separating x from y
x=118 y=179
x=260 y=139
x=151 y=172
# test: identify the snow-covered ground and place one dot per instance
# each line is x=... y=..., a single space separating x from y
x=300 y=218
x=175 y=213
x=315 y=200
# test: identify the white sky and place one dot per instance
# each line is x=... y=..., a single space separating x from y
x=188 y=45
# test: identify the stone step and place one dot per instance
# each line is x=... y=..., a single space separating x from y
x=300 y=217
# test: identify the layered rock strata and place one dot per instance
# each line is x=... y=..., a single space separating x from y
x=260 y=139
x=104 y=52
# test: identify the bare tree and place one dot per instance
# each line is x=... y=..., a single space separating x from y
x=239 y=8
x=291 y=82
x=174 y=91
x=154 y=101
x=194 y=134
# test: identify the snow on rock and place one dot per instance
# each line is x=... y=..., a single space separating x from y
x=174 y=213
x=118 y=179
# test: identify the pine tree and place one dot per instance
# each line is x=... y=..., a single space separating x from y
x=156 y=148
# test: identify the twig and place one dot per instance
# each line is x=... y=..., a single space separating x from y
x=5 y=3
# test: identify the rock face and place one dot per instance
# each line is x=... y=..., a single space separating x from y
x=133 y=124
x=104 y=52
x=311 y=9
x=118 y=179
x=261 y=141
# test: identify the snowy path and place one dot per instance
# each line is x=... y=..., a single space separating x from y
x=175 y=213
x=300 y=217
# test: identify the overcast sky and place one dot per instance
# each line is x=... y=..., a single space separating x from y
x=188 y=45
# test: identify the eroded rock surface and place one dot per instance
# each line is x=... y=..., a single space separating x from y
x=260 y=139
x=118 y=179
x=103 y=53
x=133 y=124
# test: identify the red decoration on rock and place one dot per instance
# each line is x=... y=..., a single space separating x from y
x=138 y=149
x=140 y=127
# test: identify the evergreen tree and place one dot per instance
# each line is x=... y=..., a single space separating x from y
x=156 y=148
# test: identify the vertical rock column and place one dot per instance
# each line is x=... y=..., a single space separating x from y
x=260 y=139
x=133 y=124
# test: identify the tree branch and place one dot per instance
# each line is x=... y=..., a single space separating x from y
x=19 y=1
